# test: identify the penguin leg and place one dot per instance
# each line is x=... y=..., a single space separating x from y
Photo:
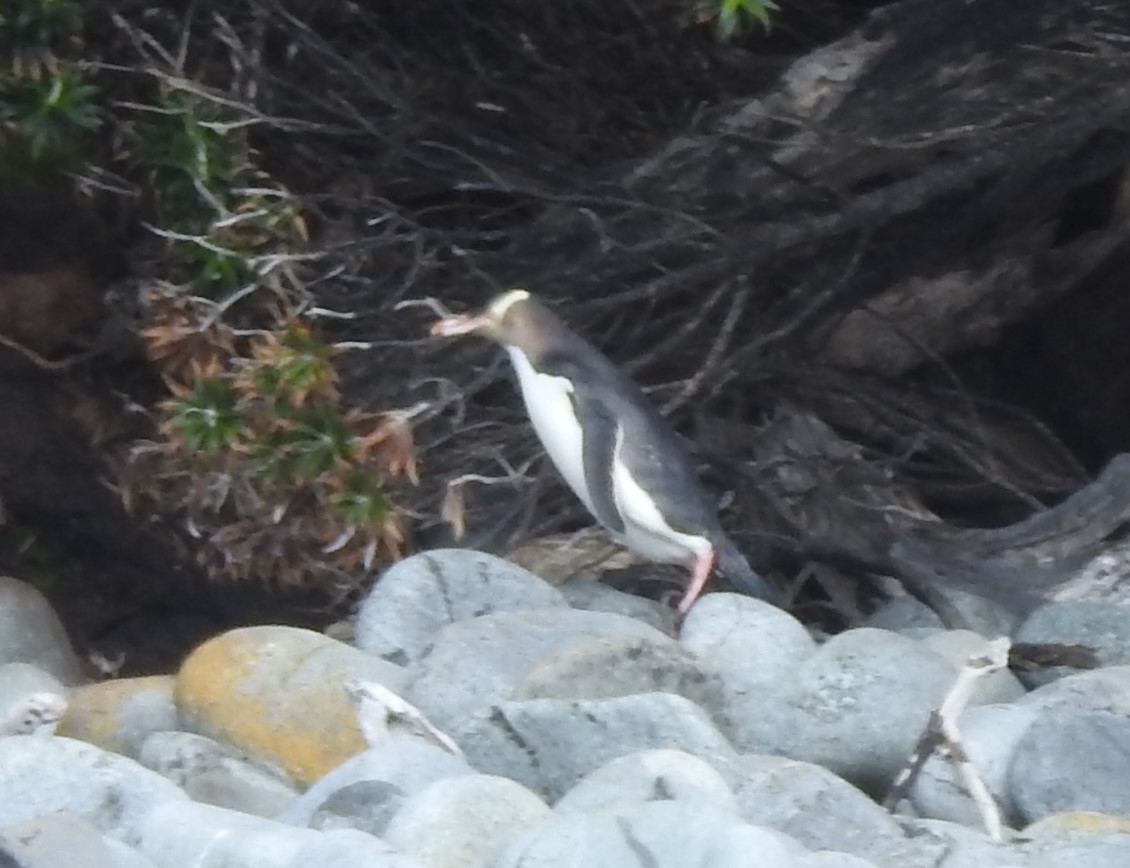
x=703 y=567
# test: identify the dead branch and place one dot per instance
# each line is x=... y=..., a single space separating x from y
x=942 y=733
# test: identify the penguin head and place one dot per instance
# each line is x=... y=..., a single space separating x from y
x=513 y=318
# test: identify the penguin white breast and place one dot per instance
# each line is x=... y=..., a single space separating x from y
x=554 y=418
x=646 y=531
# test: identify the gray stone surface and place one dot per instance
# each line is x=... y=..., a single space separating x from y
x=463 y=822
x=663 y=834
x=216 y=774
x=188 y=833
x=477 y=663
x=550 y=744
x=204 y=836
x=599 y=597
x=367 y=790
x=647 y=776
x=365 y=806
x=985 y=616
x=241 y=788
x=56 y=840
x=180 y=755
x=1106 y=851
x=1072 y=760
x=749 y=643
x=857 y=706
x=989 y=735
x=41 y=775
x=348 y=848
x=818 y=809
x=581 y=709
x=1101 y=626
x=831 y=859
x=941 y=844
x=602 y=668
x=417 y=596
x=1106 y=689
x=31 y=632
x=127 y=857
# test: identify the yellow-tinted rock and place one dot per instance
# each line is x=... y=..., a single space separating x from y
x=1078 y=823
x=277 y=693
x=118 y=715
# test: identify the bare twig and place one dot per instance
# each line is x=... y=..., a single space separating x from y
x=39 y=361
x=381 y=713
x=942 y=731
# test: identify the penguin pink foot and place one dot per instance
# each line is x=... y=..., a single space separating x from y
x=703 y=567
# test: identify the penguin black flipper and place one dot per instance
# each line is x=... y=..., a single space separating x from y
x=598 y=427
x=607 y=404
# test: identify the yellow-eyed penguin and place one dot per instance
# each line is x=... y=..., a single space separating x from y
x=610 y=443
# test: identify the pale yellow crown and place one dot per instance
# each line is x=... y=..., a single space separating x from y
x=496 y=310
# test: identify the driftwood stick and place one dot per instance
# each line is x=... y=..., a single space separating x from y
x=942 y=730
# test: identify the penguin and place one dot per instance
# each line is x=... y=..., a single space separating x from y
x=610 y=444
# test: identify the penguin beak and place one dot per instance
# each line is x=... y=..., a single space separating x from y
x=462 y=324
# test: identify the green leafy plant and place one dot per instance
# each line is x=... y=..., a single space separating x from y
x=294 y=367
x=273 y=458
x=185 y=134
x=253 y=449
x=214 y=272
x=191 y=156
x=733 y=17
x=302 y=443
x=206 y=417
x=46 y=104
x=360 y=501
x=46 y=113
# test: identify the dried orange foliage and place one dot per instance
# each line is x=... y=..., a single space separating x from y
x=182 y=343
x=389 y=445
x=271 y=473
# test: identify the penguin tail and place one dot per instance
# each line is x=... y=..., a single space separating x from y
x=732 y=564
